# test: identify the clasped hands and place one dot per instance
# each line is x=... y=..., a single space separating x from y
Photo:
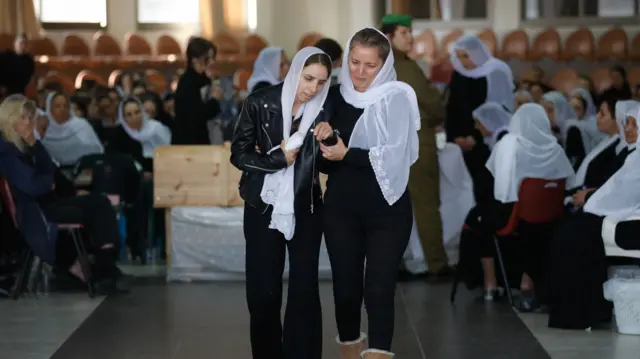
x=322 y=131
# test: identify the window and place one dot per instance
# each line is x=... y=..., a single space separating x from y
x=71 y=14
x=167 y=13
x=447 y=10
x=573 y=10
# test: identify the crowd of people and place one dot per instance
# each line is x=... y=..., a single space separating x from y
x=368 y=118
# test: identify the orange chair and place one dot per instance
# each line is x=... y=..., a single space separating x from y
x=515 y=46
x=309 y=39
x=614 y=44
x=546 y=45
x=579 y=45
x=167 y=45
x=540 y=202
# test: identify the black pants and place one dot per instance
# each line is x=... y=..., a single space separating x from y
x=301 y=335
x=379 y=235
x=95 y=213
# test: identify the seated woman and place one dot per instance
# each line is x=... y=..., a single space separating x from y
x=578 y=264
x=492 y=120
x=581 y=133
x=608 y=162
x=68 y=137
x=559 y=111
x=529 y=150
x=31 y=174
x=137 y=135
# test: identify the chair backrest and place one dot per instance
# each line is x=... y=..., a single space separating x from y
x=7 y=200
x=540 y=200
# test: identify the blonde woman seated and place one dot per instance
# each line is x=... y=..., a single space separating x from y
x=40 y=203
x=529 y=150
x=68 y=137
x=578 y=263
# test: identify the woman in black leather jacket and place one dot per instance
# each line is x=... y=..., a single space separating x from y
x=275 y=144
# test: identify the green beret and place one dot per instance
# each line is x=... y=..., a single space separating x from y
x=397 y=19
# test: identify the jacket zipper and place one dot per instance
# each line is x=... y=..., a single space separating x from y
x=268 y=138
x=313 y=174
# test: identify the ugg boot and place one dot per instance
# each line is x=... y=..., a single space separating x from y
x=352 y=349
x=377 y=354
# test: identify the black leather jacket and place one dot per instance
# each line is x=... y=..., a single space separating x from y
x=260 y=123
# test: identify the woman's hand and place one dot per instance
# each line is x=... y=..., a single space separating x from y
x=335 y=152
x=579 y=198
x=323 y=131
x=466 y=143
x=289 y=155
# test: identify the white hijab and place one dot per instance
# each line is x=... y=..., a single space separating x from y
x=588 y=124
x=388 y=127
x=625 y=108
x=500 y=86
x=563 y=112
x=494 y=118
x=68 y=142
x=266 y=68
x=152 y=133
x=529 y=150
x=619 y=197
x=278 y=187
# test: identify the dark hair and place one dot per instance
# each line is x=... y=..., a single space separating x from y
x=584 y=102
x=619 y=69
x=81 y=100
x=198 y=47
x=127 y=101
x=330 y=47
x=322 y=59
x=610 y=101
x=389 y=29
x=139 y=84
x=372 y=38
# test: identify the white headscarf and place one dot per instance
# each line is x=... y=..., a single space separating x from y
x=500 y=86
x=563 y=112
x=529 y=150
x=619 y=197
x=266 y=68
x=494 y=118
x=68 y=142
x=588 y=124
x=278 y=187
x=152 y=133
x=633 y=113
x=388 y=127
x=625 y=108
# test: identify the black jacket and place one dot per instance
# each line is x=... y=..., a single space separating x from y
x=192 y=113
x=260 y=123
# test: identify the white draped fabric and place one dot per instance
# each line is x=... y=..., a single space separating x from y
x=152 y=133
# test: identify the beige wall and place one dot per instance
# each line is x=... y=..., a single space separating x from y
x=282 y=22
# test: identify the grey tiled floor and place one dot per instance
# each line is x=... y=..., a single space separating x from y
x=207 y=320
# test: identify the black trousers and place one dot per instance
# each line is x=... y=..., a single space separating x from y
x=379 y=235
x=301 y=335
x=95 y=213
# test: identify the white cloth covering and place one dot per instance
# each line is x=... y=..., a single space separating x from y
x=152 y=133
x=495 y=118
x=266 y=68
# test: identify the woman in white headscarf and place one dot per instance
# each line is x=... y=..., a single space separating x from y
x=581 y=133
x=478 y=77
x=559 y=111
x=275 y=144
x=578 y=261
x=269 y=69
x=138 y=135
x=68 y=137
x=606 y=158
x=492 y=120
x=368 y=210
x=529 y=150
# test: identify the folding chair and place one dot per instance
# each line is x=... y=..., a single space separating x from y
x=540 y=201
x=74 y=229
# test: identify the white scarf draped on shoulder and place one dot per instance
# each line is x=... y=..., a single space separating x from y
x=278 y=187
x=388 y=127
x=266 y=68
x=627 y=108
x=529 y=150
x=495 y=118
x=500 y=86
x=152 y=133
x=71 y=140
x=619 y=197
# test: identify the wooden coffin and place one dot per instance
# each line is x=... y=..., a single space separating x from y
x=195 y=176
